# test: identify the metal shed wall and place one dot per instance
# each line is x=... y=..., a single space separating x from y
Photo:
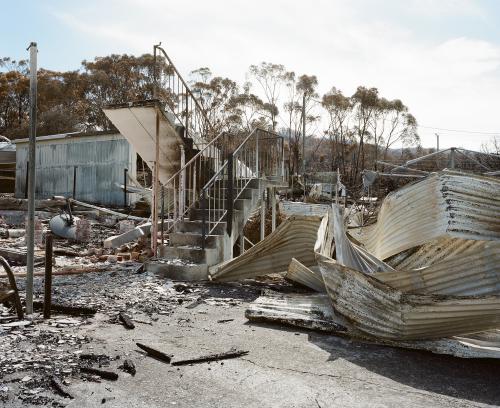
x=100 y=161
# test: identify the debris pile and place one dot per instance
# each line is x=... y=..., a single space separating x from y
x=425 y=275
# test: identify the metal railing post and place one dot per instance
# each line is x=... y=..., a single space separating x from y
x=229 y=197
x=182 y=182
x=203 y=206
x=257 y=154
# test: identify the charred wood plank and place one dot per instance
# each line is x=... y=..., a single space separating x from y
x=211 y=357
x=155 y=353
x=66 y=309
x=60 y=389
x=127 y=322
x=107 y=375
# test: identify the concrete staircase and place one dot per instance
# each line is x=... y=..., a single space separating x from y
x=212 y=182
x=189 y=255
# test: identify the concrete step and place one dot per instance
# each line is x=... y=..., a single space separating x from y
x=194 y=239
x=209 y=256
x=178 y=269
x=195 y=227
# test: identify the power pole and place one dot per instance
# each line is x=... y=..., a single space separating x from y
x=437 y=142
x=304 y=135
x=156 y=184
x=304 y=143
x=31 y=180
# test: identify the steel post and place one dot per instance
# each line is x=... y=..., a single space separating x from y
x=31 y=185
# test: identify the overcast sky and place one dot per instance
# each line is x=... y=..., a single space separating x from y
x=441 y=57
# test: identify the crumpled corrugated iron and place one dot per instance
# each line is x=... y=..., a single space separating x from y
x=383 y=312
x=309 y=277
x=445 y=204
x=473 y=272
x=301 y=310
x=295 y=237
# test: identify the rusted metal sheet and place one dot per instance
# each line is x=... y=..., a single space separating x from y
x=295 y=237
x=383 y=312
x=310 y=277
x=445 y=204
x=474 y=271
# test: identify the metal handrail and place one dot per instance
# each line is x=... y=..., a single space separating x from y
x=188 y=90
x=219 y=136
x=242 y=158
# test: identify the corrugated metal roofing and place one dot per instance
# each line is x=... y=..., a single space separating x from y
x=295 y=237
x=383 y=312
x=445 y=204
x=474 y=272
x=310 y=277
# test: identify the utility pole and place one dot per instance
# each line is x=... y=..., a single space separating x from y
x=304 y=143
x=156 y=184
x=31 y=180
x=437 y=142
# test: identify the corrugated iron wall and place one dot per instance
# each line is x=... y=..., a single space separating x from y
x=100 y=162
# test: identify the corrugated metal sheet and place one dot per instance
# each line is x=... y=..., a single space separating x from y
x=295 y=237
x=100 y=162
x=432 y=252
x=306 y=311
x=473 y=272
x=290 y=208
x=383 y=312
x=445 y=204
x=350 y=254
x=310 y=277
x=316 y=313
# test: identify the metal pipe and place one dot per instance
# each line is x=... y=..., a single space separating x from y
x=47 y=295
x=31 y=186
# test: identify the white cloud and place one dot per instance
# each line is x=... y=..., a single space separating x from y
x=451 y=83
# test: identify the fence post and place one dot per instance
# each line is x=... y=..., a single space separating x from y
x=47 y=295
